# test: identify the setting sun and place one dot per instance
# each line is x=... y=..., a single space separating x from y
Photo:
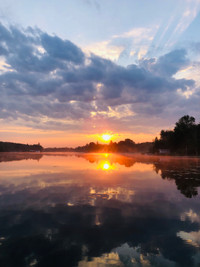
x=106 y=137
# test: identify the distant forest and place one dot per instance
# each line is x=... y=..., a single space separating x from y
x=126 y=146
x=184 y=139
x=14 y=147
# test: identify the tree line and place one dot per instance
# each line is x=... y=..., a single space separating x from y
x=184 y=139
x=126 y=146
x=15 y=147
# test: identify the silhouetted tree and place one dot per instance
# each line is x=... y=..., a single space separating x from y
x=183 y=140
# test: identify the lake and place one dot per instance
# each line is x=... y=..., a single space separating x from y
x=66 y=209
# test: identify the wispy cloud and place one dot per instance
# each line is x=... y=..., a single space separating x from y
x=126 y=47
x=171 y=29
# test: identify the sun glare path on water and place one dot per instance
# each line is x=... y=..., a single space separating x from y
x=105 y=165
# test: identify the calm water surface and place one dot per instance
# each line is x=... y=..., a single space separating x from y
x=98 y=210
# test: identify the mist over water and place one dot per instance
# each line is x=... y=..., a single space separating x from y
x=98 y=210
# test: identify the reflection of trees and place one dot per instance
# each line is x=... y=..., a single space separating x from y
x=112 y=158
x=186 y=174
x=48 y=233
x=184 y=171
x=19 y=156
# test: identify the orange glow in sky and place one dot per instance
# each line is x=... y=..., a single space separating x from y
x=56 y=138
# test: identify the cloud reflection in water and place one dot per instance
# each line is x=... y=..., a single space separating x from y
x=64 y=210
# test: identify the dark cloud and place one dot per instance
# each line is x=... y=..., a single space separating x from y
x=171 y=63
x=63 y=50
x=45 y=76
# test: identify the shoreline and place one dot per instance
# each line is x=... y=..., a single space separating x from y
x=127 y=154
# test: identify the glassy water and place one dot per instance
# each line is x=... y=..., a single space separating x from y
x=99 y=210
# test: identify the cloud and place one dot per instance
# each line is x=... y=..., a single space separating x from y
x=63 y=50
x=172 y=62
x=45 y=80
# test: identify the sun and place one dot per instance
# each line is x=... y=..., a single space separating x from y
x=106 y=137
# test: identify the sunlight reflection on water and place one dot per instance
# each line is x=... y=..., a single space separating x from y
x=104 y=209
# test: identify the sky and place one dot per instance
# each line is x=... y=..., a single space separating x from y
x=73 y=70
